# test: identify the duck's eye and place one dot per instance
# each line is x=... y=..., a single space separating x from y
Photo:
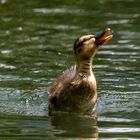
x=85 y=39
x=81 y=43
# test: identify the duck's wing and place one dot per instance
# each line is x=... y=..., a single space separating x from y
x=63 y=80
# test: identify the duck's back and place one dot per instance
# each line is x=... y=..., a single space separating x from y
x=63 y=81
x=70 y=94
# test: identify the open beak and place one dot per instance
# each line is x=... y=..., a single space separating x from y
x=103 y=37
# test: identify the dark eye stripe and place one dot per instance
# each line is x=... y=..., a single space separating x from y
x=81 y=43
x=77 y=45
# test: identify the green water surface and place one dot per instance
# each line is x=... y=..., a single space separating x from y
x=36 y=45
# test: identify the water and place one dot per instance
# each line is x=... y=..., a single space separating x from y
x=36 y=39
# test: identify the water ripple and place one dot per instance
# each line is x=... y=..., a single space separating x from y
x=55 y=10
x=121 y=21
x=106 y=119
x=5 y=66
x=119 y=130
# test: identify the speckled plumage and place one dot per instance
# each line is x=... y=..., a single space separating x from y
x=76 y=90
x=73 y=93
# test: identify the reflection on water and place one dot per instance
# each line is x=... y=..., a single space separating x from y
x=75 y=126
x=36 y=39
x=65 y=125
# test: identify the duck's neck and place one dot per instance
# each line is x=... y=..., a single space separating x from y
x=84 y=67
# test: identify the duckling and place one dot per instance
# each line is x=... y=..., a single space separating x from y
x=76 y=89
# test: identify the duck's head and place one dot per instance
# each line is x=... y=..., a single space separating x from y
x=86 y=46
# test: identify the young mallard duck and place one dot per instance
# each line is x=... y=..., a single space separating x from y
x=76 y=90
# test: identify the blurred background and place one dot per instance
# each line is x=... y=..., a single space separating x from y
x=36 y=45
